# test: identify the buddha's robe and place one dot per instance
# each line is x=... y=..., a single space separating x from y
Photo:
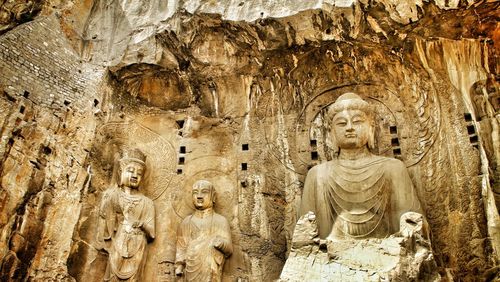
x=359 y=199
x=127 y=251
x=195 y=249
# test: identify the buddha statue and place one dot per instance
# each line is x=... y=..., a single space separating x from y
x=203 y=238
x=357 y=194
x=127 y=221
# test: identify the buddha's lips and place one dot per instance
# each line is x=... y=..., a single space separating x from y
x=350 y=135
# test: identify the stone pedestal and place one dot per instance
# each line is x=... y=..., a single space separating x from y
x=395 y=258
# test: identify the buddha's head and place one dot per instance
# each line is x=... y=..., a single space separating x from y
x=132 y=168
x=203 y=193
x=352 y=122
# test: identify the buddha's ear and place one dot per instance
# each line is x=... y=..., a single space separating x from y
x=214 y=195
x=335 y=147
x=371 y=137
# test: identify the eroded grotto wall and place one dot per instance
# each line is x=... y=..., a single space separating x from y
x=48 y=102
x=235 y=92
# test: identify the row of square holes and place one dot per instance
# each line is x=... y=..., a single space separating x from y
x=396 y=149
x=182 y=149
x=471 y=131
x=244 y=147
x=314 y=154
x=182 y=159
x=473 y=138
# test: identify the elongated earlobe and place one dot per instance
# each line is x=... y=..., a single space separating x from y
x=371 y=138
x=335 y=147
x=213 y=196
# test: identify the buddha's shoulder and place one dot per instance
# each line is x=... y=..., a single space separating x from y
x=219 y=217
x=391 y=164
x=320 y=167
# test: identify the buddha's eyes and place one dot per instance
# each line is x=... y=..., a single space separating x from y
x=353 y=122
x=131 y=170
x=204 y=191
x=341 y=122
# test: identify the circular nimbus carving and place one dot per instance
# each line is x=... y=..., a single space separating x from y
x=409 y=125
x=161 y=158
x=219 y=175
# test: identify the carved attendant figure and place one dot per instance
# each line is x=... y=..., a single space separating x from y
x=203 y=238
x=358 y=194
x=128 y=220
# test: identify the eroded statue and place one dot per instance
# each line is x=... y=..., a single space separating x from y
x=361 y=207
x=203 y=238
x=127 y=221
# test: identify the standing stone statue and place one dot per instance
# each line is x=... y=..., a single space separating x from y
x=203 y=238
x=358 y=194
x=360 y=207
x=127 y=221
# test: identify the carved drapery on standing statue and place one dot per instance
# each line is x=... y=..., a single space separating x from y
x=203 y=238
x=362 y=207
x=127 y=221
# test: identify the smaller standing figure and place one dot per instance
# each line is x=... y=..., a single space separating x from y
x=203 y=238
x=127 y=220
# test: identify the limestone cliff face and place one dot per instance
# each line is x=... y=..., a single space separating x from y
x=234 y=92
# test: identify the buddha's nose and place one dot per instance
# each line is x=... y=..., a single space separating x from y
x=349 y=126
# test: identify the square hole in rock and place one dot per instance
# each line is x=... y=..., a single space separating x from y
x=314 y=155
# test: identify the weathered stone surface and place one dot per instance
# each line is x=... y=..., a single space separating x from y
x=363 y=205
x=361 y=260
x=400 y=257
x=203 y=238
x=213 y=90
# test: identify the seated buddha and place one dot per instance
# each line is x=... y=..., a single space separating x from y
x=357 y=194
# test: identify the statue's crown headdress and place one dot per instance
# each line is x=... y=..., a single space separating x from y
x=134 y=155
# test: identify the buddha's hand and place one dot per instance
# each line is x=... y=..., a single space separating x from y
x=218 y=243
x=179 y=270
x=411 y=223
x=137 y=224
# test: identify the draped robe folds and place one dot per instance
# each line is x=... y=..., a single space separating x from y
x=127 y=251
x=195 y=249
x=360 y=198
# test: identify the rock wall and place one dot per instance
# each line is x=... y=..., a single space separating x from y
x=48 y=101
x=236 y=92
x=38 y=63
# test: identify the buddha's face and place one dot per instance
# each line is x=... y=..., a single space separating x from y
x=202 y=197
x=351 y=129
x=132 y=174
